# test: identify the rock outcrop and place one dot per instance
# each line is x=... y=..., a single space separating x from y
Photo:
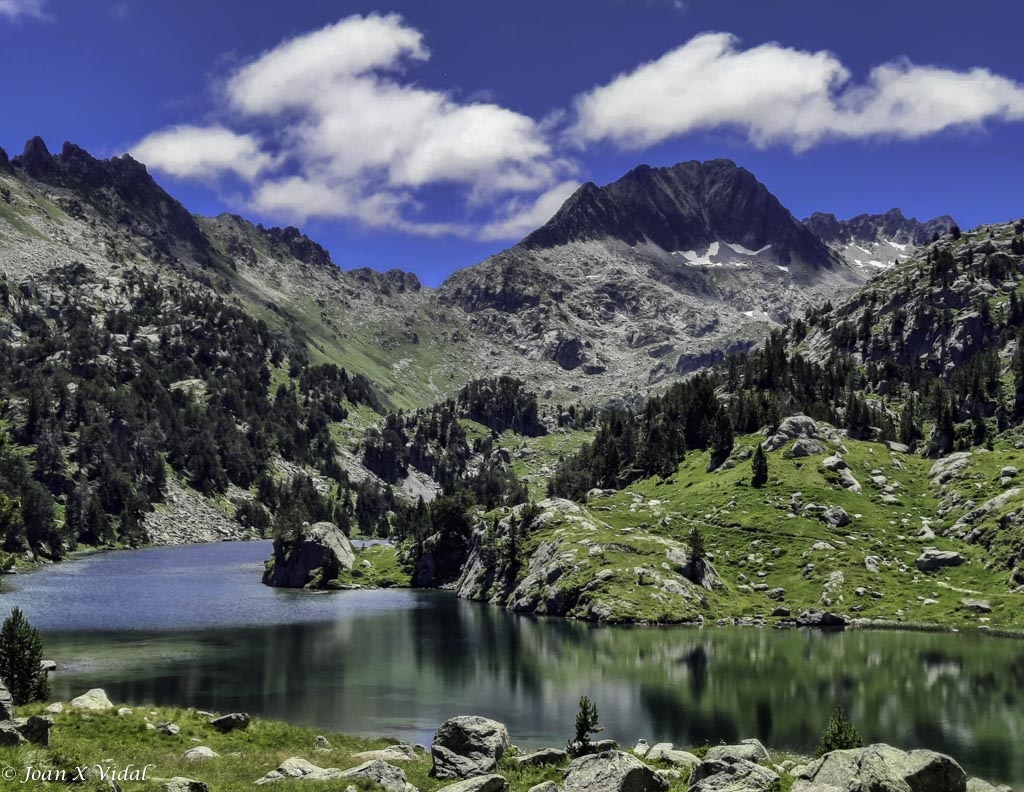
x=312 y=560
x=467 y=746
x=612 y=771
x=882 y=768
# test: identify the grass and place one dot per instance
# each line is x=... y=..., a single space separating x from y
x=376 y=566
x=127 y=742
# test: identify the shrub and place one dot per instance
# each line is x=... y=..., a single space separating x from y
x=586 y=722
x=839 y=735
x=21 y=653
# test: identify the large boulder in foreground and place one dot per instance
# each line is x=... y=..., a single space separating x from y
x=468 y=746
x=95 y=699
x=732 y=774
x=882 y=768
x=612 y=771
x=315 y=558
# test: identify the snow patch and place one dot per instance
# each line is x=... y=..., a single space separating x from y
x=746 y=251
x=784 y=269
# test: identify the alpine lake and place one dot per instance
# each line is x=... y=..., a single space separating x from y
x=193 y=626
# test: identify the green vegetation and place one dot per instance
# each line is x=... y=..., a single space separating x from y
x=586 y=724
x=839 y=735
x=21 y=653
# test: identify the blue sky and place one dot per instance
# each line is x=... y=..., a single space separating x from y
x=426 y=135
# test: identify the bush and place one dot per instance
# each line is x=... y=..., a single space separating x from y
x=21 y=653
x=586 y=722
x=839 y=735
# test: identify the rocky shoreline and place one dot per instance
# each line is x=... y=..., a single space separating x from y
x=471 y=753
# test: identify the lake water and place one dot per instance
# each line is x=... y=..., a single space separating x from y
x=193 y=626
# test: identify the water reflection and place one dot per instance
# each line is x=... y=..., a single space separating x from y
x=398 y=663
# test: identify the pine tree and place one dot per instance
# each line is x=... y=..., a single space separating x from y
x=21 y=653
x=760 y=465
x=839 y=735
x=586 y=723
x=695 y=543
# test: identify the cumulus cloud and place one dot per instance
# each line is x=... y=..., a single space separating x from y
x=780 y=95
x=14 y=9
x=354 y=139
x=517 y=217
x=194 y=152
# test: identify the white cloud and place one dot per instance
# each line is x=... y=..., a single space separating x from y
x=518 y=218
x=203 y=153
x=360 y=140
x=779 y=95
x=13 y=9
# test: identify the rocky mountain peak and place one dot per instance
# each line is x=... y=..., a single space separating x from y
x=686 y=207
x=119 y=186
x=892 y=226
x=298 y=245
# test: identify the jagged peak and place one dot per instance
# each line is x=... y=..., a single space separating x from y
x=892 y=225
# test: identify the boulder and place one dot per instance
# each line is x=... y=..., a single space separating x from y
x=949 y=467
x=302 y=769
x=322 y=553
x=792 y=428
x=835 y=517
x=179 y=784
x=228 y=723
x=848 y=481
x=56 y=708
x=487 y=783
x=6 y=704
x=666 y=752
x=976 y=605
x=732 y=774
x=35 y=730
x=467 y=746
x=1008 y=471
x=932 y=559
x=393 y=753
x=882 y=768
x=834 y=463
x=46 y=666
x=747 y=750
x=813 y=617
x=168 y=728
x=642 y=748
x=806 y=447
x=594 y=746
x=9 y=734
x=199 y=753
x=977 y=785
x=94 y=699
x=611 y=771
x=378 y=774
x=545 y=756
x=544 y=786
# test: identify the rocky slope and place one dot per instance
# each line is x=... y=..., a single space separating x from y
x=651 y=277
x=876 y=241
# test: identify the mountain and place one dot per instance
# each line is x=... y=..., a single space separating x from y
x=876 y=241
x=651 y=277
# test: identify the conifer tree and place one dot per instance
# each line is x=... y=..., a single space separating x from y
x=21 y=653
x=760 y=466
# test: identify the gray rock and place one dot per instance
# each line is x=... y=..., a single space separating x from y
x=791 y=428
x=6 y=703
x=977 y=785
x=731 y=774
x=882 y=768
x=393 y=753
x=872 y=563
x=932 y=559
x=544 y=786
x=781 y=611
x=467 y=746
x=821 y=547
x=836 y=517
x=230 y=722
x=666 y=752
x=976 y=605
x=545 y=756
x=199 y=753
x=806 y=447
x=848 y=481
x=381 y=775
x=748 y=750
x=834 y=463
x=56 y=708
x=324 y=546
x=180 y=784
x=296 y=767
x=1009 y=471
x=949 y=467
x=487 y=783
x=47 y=666
x=642 y=748
x=94 y=699
x=814 y=617
x=9 y=734
x=322 y=742
x=35 y=730
x=125 y=712
x=612 y=771
x=168 y=728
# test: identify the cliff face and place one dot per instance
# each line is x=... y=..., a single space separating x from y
x=313 y=560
